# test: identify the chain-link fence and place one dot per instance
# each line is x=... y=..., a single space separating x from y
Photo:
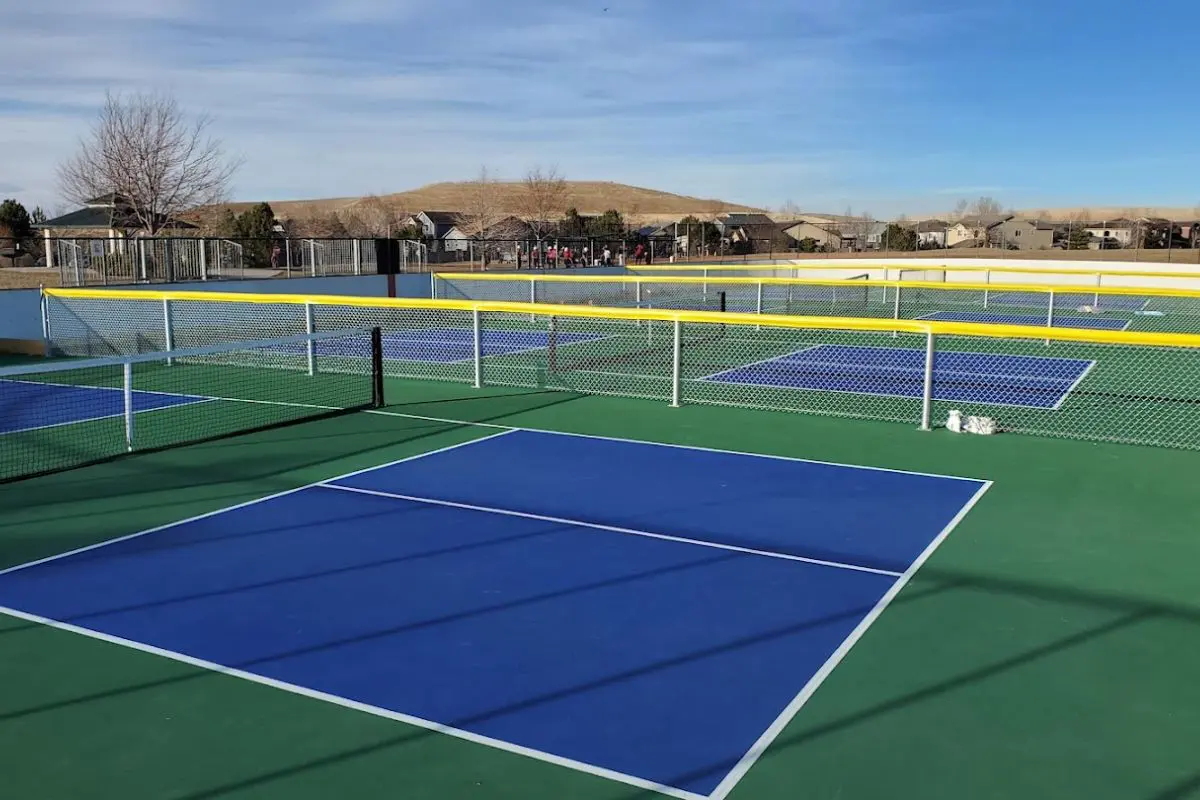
x=1059 y=381
x=1098 y=308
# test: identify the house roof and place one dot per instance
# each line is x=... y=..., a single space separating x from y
x=443 y=217
x=930 y=226
x=93 y=217
x=985 y=221
x=738 y=220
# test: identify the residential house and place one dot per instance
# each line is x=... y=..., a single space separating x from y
x=931 y=233
x=758 y=237
x=727 y=223
x=1016 y=233
x=434 y=225
x=826 y=235
x=1111 y=233
x=971 y=231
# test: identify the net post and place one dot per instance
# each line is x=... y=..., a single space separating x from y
x=44 y=310
x=432 y=285
x=987 y=279
x=1050 y=315
x=168 y=329
x=310 y=346
x=204 y=258
x=377 y=398
x=552 y=345
x=927 y=389
x=676 y=363
x=127 y=385
x=532 y=296
x=637 y=288
x=477 y=346
x=1096 y=299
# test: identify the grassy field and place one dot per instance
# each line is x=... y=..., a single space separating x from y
x=1048 y=649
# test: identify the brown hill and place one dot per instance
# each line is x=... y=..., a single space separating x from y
x=589 y=197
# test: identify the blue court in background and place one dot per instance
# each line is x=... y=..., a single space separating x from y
x=1088 y=321
x=27 y=405
x=995 y=379
x=1071 y=297
x=636 y=609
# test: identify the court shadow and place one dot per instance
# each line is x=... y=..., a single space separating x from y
x=229 y=470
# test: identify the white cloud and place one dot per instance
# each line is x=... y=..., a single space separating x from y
x=337 y=97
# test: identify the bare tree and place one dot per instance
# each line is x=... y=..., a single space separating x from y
x=789 y=210
x=860 y=227
x=156 y=163
x=482 y=210
x=377 y=218
x=542 y=199
x=961 y=208
x=986 y=207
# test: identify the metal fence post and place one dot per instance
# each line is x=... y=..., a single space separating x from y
x=676 y=364
x=1050 y=315
x=168 y=329
x=203 y=259
x=310 y=327
x=127 y=381
x=927 y=393
x=477 y=346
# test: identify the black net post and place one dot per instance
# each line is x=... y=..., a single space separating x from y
x=377 y=399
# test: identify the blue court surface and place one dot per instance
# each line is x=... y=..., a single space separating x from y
x=446 y=345
x=647 y=613
x=33 y=405
x=994 y=379
x=1089 y=321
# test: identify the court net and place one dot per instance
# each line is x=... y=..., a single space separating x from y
x=65 y=414
x=1129 y=386
x=921 y=294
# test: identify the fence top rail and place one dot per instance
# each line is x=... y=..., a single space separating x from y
x=984 y=266
x=752 y=321
x=963 y=286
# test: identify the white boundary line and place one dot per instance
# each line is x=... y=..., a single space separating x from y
x=613 y=529
x=377 y=711
x=716 y=375
x=255 y=501
x=771 y=733
x=1074 y=385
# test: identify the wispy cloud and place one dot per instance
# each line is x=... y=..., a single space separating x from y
x=340 y=97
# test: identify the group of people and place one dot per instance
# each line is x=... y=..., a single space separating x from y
x=555 y=256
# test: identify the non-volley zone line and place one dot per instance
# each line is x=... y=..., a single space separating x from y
x=1041 y=382
x=650 y=661
x=450 y=345
x=1090 y=322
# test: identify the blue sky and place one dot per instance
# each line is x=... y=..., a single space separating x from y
x=886 y=106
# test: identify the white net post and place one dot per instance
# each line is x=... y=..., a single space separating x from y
x=44 y=308
x=141 y=246
x=356 y=255
x=637 y=289
x=311 y=346
x=987 y=279
x=433 y=292
x=477 y=346
x=127 y=385
x=927 y=387
x=168 y=329
x=204 y=259
x=676 y=363
x=1096 y=299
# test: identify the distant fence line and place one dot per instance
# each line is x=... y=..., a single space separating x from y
x=82 y=261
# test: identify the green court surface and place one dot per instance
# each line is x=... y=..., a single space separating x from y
x=1050 y=648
